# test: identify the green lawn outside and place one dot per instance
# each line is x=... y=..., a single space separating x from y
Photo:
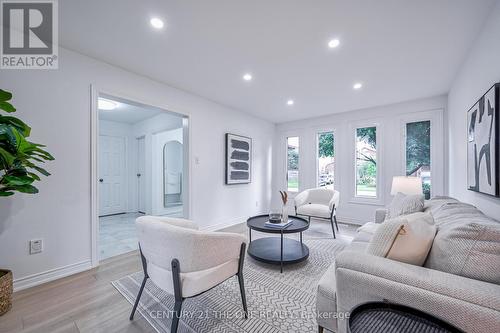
x=293 y=184
x=366 y=190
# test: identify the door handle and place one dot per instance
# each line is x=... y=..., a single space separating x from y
x=101 y=180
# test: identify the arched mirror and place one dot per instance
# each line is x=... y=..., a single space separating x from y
x=172 y=173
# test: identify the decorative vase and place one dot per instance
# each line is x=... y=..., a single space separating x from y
x=5 y=291
x=284 y=214
x=275 y=215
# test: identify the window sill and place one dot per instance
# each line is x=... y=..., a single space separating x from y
x=366 y=201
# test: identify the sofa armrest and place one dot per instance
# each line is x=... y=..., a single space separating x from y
x=380 y=215
x=471 y=305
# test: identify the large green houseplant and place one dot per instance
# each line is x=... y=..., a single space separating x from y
x=20 y=161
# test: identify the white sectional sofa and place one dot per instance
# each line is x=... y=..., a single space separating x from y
x=459 y=282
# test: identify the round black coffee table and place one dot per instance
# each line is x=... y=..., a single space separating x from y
x=277 y=250
x=384 y=317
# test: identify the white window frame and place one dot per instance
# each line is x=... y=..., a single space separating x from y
x=379 y=198
x=437 y=146
x=317 y=132
x=285 y=164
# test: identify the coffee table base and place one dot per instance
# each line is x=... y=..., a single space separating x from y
x=268 y=250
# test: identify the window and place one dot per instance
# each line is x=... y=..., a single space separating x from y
x=366 y=162
x=418 y=153
x=326 y=159
x=292 y=164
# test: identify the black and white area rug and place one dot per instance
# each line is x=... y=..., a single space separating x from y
x=276 y=302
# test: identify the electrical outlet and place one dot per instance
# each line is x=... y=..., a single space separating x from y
x=256 y=204
x=36 y=246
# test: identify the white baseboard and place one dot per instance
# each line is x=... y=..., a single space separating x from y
x=51 y=275
x=227 y=223
x=350 y=220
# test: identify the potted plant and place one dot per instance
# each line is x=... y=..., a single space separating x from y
x=19 y=168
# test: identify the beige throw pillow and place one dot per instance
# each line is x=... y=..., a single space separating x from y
x=403 y=204
x=406 y=239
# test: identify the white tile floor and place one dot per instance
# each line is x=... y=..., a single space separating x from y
x=117 y=233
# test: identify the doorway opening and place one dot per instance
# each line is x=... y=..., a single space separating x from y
x=142 y=157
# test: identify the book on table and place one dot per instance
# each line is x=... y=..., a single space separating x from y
x=281 y=225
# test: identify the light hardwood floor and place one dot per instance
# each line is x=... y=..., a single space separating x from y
x=87 y=302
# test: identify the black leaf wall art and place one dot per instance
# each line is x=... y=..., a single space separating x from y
x=483 y=144
x=238 y=159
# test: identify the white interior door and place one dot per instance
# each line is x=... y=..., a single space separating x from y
x=141 y=169
x=112 y=181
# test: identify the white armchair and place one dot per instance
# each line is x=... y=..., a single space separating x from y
x=186 y=262
x=319 y=203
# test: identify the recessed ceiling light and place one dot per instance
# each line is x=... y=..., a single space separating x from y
x=333 y=43
x=156 y=23
x=290 y=102
x=106 y=104
x=247 y=77
x=357 y=86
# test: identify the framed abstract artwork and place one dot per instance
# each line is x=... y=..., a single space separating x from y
x=238 y=159
x=483 y=144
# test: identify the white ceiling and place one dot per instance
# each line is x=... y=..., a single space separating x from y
x=127 y=113
x=400 y=49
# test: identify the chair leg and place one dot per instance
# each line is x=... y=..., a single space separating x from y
x=240 y=279
x=333 y=228
x=242 y=291
x=146 y=276
x=320 y=329
x=176 y=277
x=138 y=298
x=177 y=315
x=336 y=224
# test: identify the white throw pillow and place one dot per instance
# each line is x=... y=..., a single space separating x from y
x=407 y=238
x=403 y=204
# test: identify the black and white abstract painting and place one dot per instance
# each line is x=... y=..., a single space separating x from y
x=482 y=144
x=238 y=159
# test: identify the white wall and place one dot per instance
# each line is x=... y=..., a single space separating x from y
x=57 y=105
x=390 y=144
x=479 y=72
